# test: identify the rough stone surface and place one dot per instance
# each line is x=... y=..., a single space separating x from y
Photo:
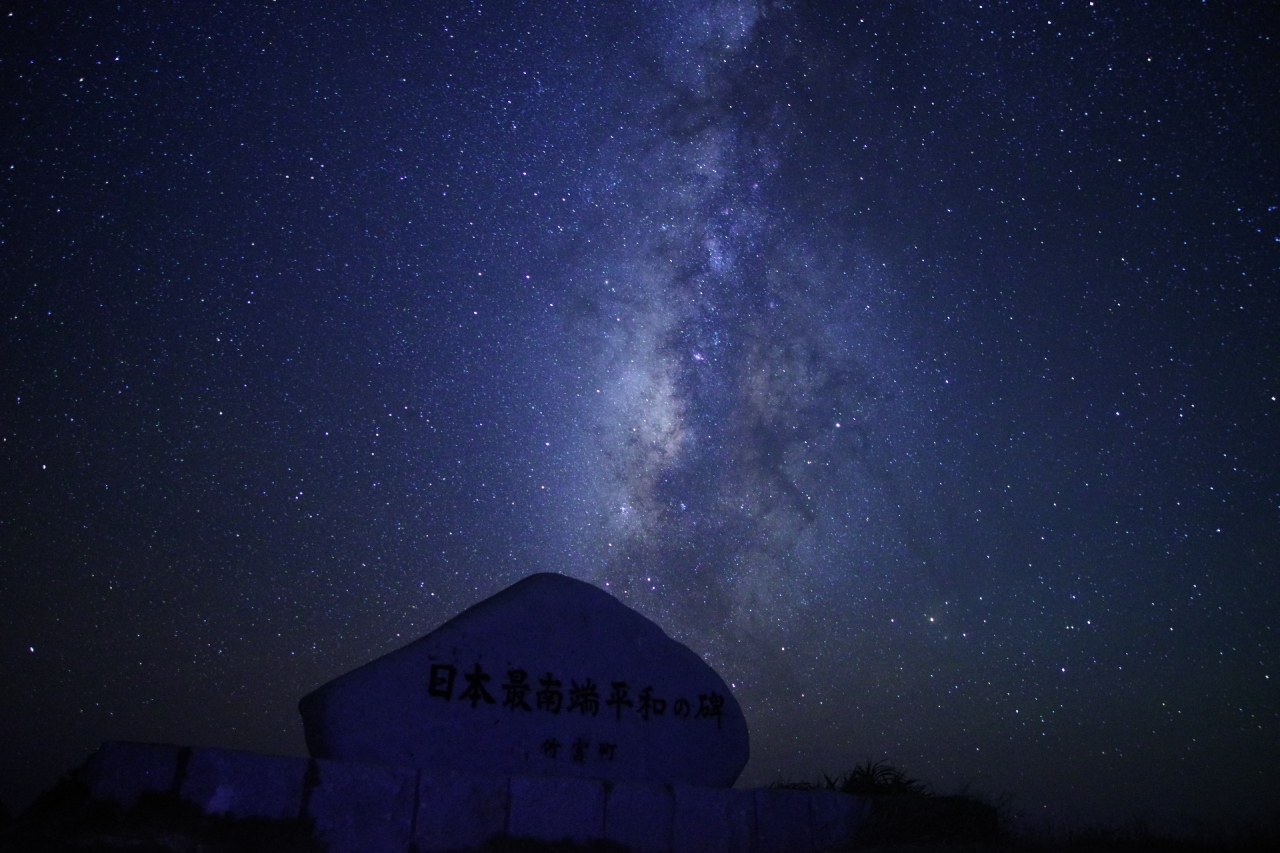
x=122 y=771
x=556 y=809
x=362 y=808
x=244 y=784
x=640 y=817
x=713 y=821
x=550 y=676
x=457 y=811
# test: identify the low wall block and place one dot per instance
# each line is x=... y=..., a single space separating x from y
x=363 y=808
x=553 y=808
x=713 y=820
x=244 y=784
x=640 y=816
x=782 y=820
x=458 y=811
x=371 y=808
x=835 y=818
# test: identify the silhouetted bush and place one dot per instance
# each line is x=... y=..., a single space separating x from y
x=907 y=811
x=877 y=779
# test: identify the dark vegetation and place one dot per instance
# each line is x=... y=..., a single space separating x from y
x=907 y=811
x=504 y=844
x=906 y=816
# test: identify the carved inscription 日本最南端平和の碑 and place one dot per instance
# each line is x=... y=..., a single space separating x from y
x=583 y=697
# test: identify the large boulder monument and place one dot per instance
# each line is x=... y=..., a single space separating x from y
x=551 y=676
x=550 y=711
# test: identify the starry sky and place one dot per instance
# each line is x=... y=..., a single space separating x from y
x=914 y=363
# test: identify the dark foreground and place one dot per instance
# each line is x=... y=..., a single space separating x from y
x=66 y=819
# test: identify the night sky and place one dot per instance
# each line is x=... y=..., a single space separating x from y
x=914 y=363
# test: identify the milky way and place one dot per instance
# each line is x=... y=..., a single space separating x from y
x=738 y=392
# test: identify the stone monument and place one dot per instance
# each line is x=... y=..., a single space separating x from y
x=551 y=676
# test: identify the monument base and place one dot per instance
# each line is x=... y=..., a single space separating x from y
x=371 y=808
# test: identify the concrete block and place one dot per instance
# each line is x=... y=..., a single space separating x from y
x=362 y=808
x=713 y=820
x=458 y=811
x=244 y=784
x=123 y=771
x=836 y=818
x=782 y=821
x=640 y=816
x=552 y=808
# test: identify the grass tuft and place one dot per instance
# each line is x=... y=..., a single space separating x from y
x=878 y=779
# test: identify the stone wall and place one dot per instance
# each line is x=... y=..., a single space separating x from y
x=370 y=808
